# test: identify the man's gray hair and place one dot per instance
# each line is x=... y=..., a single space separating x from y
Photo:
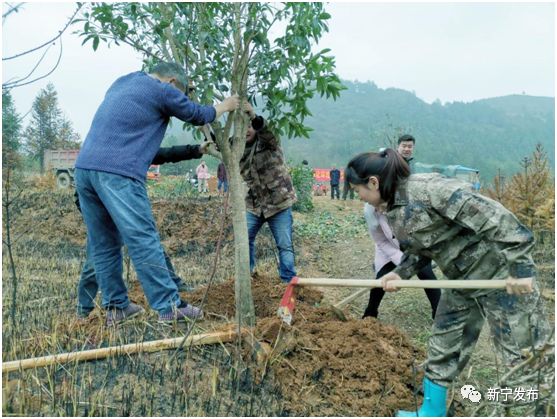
x=166 y=69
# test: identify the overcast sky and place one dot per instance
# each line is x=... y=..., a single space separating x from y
x=445 y=51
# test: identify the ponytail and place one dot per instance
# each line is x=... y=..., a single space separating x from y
x=388 y=166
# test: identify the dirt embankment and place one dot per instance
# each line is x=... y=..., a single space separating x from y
x=51 y=217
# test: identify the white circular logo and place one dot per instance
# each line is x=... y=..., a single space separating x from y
x=469 y=392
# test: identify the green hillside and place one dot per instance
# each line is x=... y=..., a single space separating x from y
x=486 y=134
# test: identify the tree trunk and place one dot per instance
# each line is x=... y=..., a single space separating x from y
x=245 y=311
x=41 y=161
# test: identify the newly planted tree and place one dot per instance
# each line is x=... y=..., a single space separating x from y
x=257 y=50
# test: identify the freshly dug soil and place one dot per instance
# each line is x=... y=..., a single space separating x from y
x=325 y=366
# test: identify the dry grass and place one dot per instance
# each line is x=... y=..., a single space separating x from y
x=203 y=381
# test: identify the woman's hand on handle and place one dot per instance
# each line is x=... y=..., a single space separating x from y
x=520 y=286
x=385 y=281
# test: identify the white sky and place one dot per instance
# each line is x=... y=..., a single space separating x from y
x=446 y=51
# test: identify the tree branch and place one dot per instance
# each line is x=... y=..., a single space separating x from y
x=48 y=42
x=14 y=85
x=168 y=33
x=11 y=10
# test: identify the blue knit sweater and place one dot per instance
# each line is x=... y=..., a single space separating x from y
x=129 y=125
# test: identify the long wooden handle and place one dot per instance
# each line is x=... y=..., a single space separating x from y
x=152 y=346
x=410 y=283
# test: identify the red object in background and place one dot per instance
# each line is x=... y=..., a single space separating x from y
x=322 y=175
x=154 y=172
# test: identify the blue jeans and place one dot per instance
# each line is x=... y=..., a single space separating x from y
x=224 y=184
x=281 y=227
x=88 y=286
x=117 y=211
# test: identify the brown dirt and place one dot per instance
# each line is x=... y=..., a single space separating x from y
x=326 y=367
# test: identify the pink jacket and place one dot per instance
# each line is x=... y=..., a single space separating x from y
x=202 y=172
x=386 y=246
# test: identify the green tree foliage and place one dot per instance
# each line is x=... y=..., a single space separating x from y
x=228 y=48
x=49 y=128
x=488 y=134
x=302 y=178
x=11 y=129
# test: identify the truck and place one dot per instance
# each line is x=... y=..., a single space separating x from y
x=61 y=163
x=466 y=174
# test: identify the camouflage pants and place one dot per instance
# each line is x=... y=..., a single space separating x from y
x=516 y=323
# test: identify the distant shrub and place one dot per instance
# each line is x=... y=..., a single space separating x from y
x=302 y=178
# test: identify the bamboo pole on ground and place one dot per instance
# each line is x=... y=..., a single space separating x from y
x=132 y=348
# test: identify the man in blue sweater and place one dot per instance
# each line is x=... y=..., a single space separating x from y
x=125 y=135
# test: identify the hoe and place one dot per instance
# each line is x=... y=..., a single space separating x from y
x=288 y=301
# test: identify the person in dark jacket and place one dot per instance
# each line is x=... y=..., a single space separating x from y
x=88 y=286
x=270 y=193
x=334 y=175
x=347 y=189
x=222 y=178
x=110 y=171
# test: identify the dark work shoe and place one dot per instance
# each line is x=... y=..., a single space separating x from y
x=182 y=312
x=115 y=316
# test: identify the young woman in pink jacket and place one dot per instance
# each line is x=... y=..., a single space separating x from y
x=387 y=257
x=203 y=175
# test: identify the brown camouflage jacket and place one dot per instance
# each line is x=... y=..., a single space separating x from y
x=270 y=188
x=468 y=235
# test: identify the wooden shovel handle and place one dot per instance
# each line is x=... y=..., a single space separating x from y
x=411 y=283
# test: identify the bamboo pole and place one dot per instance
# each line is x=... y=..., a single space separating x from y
x=409 y=283
x=132 y=348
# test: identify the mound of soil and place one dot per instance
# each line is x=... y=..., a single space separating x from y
x=326 y=366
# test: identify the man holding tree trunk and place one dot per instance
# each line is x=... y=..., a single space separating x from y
x=270 y=193
x=125 y=134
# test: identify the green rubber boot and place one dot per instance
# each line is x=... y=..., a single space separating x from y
x=434 y=404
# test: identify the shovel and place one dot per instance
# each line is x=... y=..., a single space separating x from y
x=288 y=301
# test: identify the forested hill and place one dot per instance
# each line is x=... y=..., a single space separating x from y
x=487 y=134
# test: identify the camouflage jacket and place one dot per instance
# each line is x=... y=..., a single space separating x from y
x=270 y=188
x=468 y=235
